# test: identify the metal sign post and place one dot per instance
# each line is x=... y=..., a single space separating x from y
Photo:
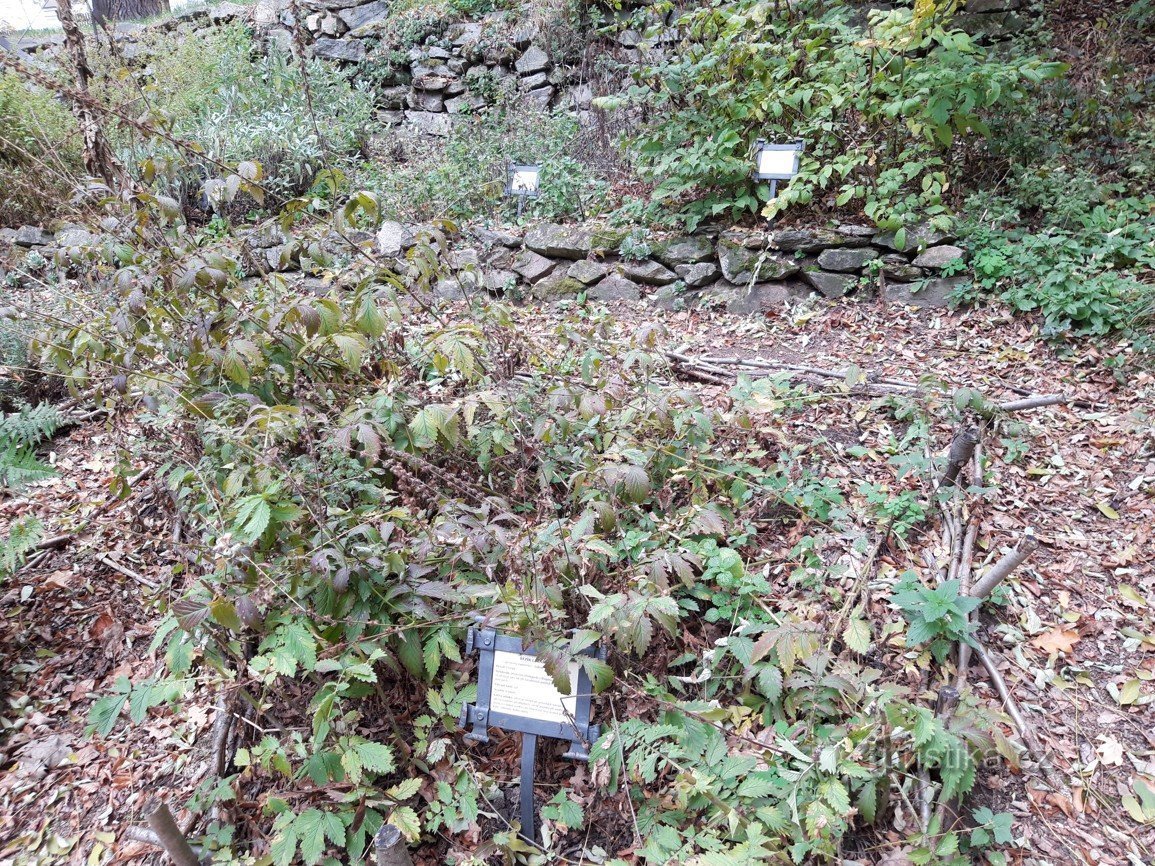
x=515 y=693
x=523 y=181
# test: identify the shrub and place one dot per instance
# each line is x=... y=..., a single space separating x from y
x=39 y=152
x=879 y=110
x=465 y=175
x=210 y=90
x=1077 y=250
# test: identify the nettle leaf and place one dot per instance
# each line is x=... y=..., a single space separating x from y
x=406 y=820
x=857 y=635
x=253 y=515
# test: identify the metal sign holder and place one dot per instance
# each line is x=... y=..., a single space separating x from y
x=577 y=729
x=522 y=193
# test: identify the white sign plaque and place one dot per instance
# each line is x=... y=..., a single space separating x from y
x=521 y=687
x=777 y=162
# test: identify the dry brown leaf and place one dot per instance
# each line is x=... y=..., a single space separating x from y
x=1057 y=640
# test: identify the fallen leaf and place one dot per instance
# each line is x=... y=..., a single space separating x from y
x=1111 y=751
x=1057 y=640
x=1129 y=693
x=1107 y=510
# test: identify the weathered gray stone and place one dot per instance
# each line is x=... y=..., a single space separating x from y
x=496 y=237
x=280 y=39
x=463 y=34
x=391 y=117
x=542 y=96
x=855 y=231
x=565 y=242
x=615 y=288
x=587 y=272
x=684 y=251
x=422 y=100
x=744 y=238
x=436 y=52
x=932 y=294
x=463 y=104
x=351 y=50
x=432 y=83
x=267 y=235
x=766 y=297
x=498 y=280
x=813 y=240
x=7 y=235
x=740 y=265
x=699 y=274
x=829 y=284
x=845 y=260
x=896 y=267
x=917 y=237
x=283 y=258
x=266 y=12
x=454 y=87
x=648 y=273
x=533 y=60
x=579 y=97
x=979 y=7
x=224 y=12
x=390 y=239
x=365 y=15
x=450 y=289
x=672 y=298
x=429 y=122
x=938 y=257
x=533 y=266
x=538 y=79
x=74 y=236
x=556 y=286
x=32 y=236
x=393 y=97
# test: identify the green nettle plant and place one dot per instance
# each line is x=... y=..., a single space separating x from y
x=879 y=107
x=938 y=616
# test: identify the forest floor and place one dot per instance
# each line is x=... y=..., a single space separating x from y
x=1077 y=639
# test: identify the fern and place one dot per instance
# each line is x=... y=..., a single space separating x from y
x=30 y=426
x=20 y=433
x=26 y=533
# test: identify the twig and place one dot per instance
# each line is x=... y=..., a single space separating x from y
x=171 y=838
x=1002 y=569
x=127 y=572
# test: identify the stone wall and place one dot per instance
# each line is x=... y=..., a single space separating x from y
x=745 y=272
x=457 y=70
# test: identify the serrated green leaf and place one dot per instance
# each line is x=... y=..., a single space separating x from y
x=857 y=635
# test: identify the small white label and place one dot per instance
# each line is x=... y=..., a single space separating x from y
x=521 y=687
x=777 y=162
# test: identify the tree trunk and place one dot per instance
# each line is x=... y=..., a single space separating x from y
x=99 y=160
x=111 y=11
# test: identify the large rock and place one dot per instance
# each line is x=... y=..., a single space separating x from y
x=932 y=294
x=829 y=284
x=615 y=288
x=699 y=274
x=463 y=34
x=938 y=257
x=463 y=104
x=533 y=60
x=992 y=25
x=225 y=12
x=586 y=272
x=648 y=273
x=557 y=286
x=896 y=267
x=350 y=50
x=436 y=123
x=31 y=236
x=814 y=240
x=766 y=297
x=684 y=251
x=541 y=97
x=74 y=236
x=561 y=242
x=498 y=280
x=740 y=265
x=845 y=260
x=978 y=7
x=917 y=237
x=422 y=100
x=391 y=239
x=532 y=266
x=366 y=15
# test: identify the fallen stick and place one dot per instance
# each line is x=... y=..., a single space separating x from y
x=171 y=838
x=127 y=572
x=1035 y=402
x=999 y=572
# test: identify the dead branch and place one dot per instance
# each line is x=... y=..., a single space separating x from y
x=391 y=850
x=962 y=446
x=171 y=838
x=1035 y=402
x=127 y=572
x=1003 y=568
